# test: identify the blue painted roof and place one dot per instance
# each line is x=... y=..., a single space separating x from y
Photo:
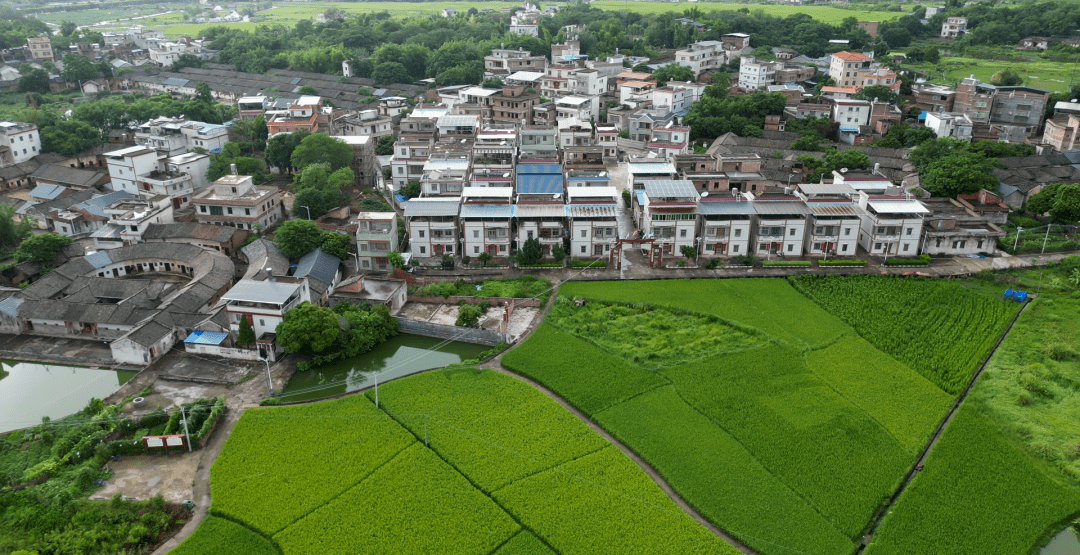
x=98 y=259
x=847 y=129
x=96 y=205
x=640 y=194
x=590 y=178
x=539 y=168
x=200 y=337
x=540 y=184
x=922 y=115
x=46 y=191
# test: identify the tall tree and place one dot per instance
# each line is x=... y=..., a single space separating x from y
x=34 y=81
x=41 y=248
x=961 y=172
x=78 y=68
x=295 y=238
x=317 y=148
x=308 y=328
x=279 y=150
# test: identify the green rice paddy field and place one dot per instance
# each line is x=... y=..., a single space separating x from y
x=1051 y=76
x=825 y=14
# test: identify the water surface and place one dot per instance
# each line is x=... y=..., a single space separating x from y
x=31 y=390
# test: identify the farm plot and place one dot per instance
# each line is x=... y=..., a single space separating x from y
x=977 y=494
x=938 y=328
x=825 y=14
x=214 y=532
x=788 y=442
x=498 y=455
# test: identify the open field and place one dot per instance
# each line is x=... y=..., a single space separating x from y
x=790 y=443
x=1051 y=76
x=825 y=14
x=938 y=328
x=977 y=494
x=504 y=470
x=215 y=532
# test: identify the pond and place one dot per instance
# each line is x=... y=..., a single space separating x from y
x=1064 y=543
x=401 y=355
x=32 y=390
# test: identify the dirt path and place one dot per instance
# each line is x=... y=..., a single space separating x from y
x=937 y=434
x=496 y=364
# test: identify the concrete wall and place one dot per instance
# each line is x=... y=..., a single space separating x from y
x=226 y=352
x=493 y=301
x=479 y=336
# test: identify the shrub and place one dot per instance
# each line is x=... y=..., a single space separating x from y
x=841 y=263
x=796 y=263
x=469 y=316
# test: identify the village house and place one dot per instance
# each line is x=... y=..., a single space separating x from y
x=593 y=225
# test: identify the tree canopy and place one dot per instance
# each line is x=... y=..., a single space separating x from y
x=673 y=72
x=41 y=248
x=78 y=68
x=320 y=148
x=295 y=238
x=1060 y=200
x=960 y=172
x=308 y=328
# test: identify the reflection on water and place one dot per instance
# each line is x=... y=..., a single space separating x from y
x=402 y=355
x=31 y=390
x=1064 y=543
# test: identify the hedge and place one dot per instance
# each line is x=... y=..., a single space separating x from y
x=798 y=263
x=841 y=263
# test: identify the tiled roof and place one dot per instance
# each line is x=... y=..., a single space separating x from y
x=850 y=56
x=318 y=264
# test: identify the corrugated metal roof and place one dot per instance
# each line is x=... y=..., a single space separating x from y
x=540 y=184
x=835 y=209
x=10 y=306
x=591 y=192
x=667 y=188
x=487 y=211
x=539 y=169
x=176 y=82
x=826 y=189
x=590 y=178
x=500 y=192
x=96 y=205
x=781 y=207
x=458 y=164
x=540 y=211
x=726 y=207
x=199 y=337
x=432 y=207
x=261 y=291
x=592 y=210
x=897 y=206
x=46 y=191
x=458 y=121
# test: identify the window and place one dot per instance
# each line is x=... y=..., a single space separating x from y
x=682 y=233
x=905 y=247
x=847 y=231
x=421 y=234
x=423 y=250
x=844 y=248
x=476 y=234
x=476 y=250
x=584 y=233
x=792 y=232
x=216 y=211
x=202 y=209
x=980 y=244
x=738 y=233
x=502 y=248
x=247 y=211
x=937 y=243
x=790 y=248
x=583 y=249
x=909 y=230
x=877 y=246
x=262 y=322
x=735 y=248
x=230 y=210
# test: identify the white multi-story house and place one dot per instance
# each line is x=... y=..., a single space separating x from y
x=584 y=108
x=177 y=177
x=173 y=136
x=19 y=142
x=486 y=217
x=593 y=224
x=262 y=303
x=726 y=225
x=607 y=136
x=365 y=122
x=668 y=213
x=433 y=226
x=953 y=27
x=892 y=225
x=851 y=113
x=494 y=153
x=674 y=98
x=235 y=201
x=781 y=225
x=127 y=164
x=376 y=238
x=950 y=124
x=953 y=228
x=587 y=82
x=538 y=142
x=755 y=75
x=834 y=221
x=129 y=219
x=702 y=56
x=669 y=140
x=443 y=176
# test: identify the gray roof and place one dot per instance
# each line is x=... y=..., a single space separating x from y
x=176 y=82
x=319 y=265
x=725 y=207
x=540 y=211
x=428 y=207
x=592 y=210
x=261 y=291
x=66 y=175
x=98 y=259
x=45 y=191
x=663 y=188
x=9 y=306
x=263 y=253
x=487 y=210
x=148 y=334
x=190 y=230
x=96 y=205
x=780 y=207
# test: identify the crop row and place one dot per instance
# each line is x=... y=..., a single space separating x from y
x=415 y=504
x=940 y=329
x=214 y=532
x=769 y=305
x=977 y=494
x=280 y=464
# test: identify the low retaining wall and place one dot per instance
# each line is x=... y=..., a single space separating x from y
x=478 y=336
x=493 y=301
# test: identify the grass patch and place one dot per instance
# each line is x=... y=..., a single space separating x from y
x=575 y=263
x=215 y=532
x=791 y=263
x=938 y=328
x=520 y=288
x=1042 y=74
x=977 y=494
x=825 y=263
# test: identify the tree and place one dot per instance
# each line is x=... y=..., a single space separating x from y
x=469 y=315
x=308 y=328
x=34 y=81
x=203 y=93
x=930 y=151
x=1041 y=202
x=365 y=327
x=41 y=249
x=931 y=55
x=280 y=148
x=295 y=238
x=493 y=83
x=396 y=260
x=67 y=28
x=484 y=258
x=388 y=73
x=336 y=244
x=1067 y=204
x=318 y=147
x=307 y=89
x=673 y=72
x=530 y=252
x=877 y=92
x=78 y=68
x=385 y=146
x=187 y=60
x=558 y=253
x=410 y=189
x=12 y=232
x=688 y=251
x=959 y=173
x=246 y=335
x=1007 y=77
x=105 y=69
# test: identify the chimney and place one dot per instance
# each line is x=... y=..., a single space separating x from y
x=232 y=168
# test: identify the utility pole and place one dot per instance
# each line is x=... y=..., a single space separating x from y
x=183 y=417
x=1045 y=237
x=1017 y=240
x=376 y=376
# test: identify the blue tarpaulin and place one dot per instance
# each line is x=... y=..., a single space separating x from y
x=206 y=337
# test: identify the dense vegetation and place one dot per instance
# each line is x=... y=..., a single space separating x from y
x=453 y=461
x=938 y=328
x=47 y=471
x=519 y=288
x=808 y=417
